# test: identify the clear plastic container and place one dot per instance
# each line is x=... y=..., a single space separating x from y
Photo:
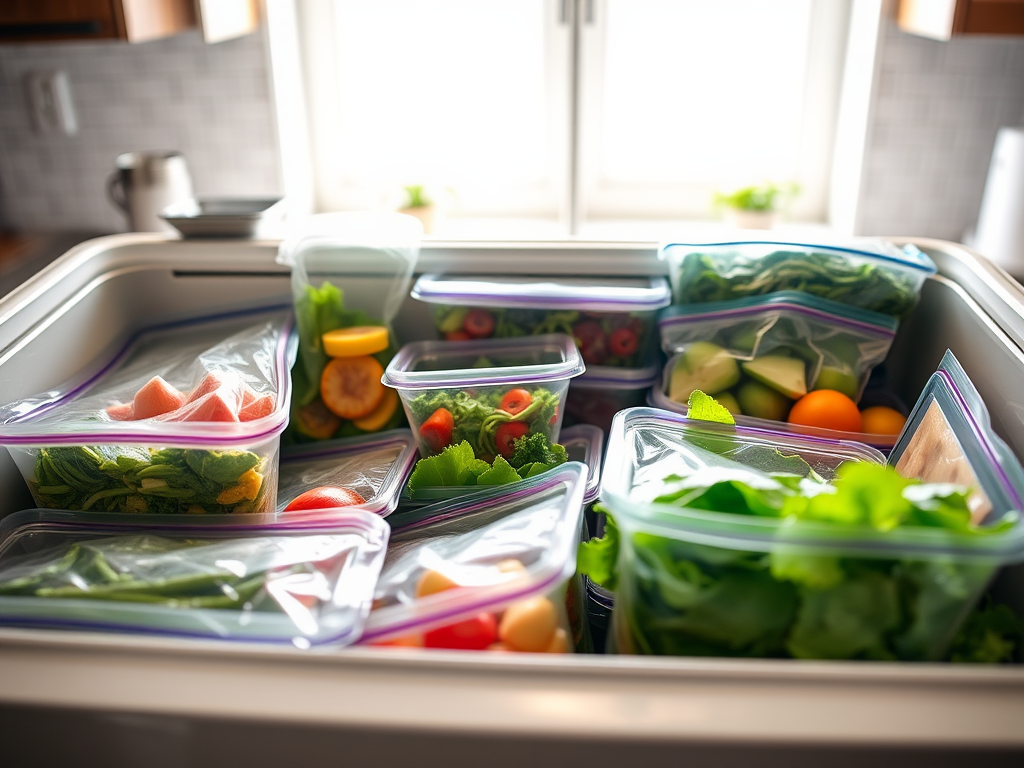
x=612 y=319
x=185 y=418
x=870 y=274
x=496 y=572
x=596 y=396
x=172 y=577
x=695 y=582
x=462 y=386
x=375 y=466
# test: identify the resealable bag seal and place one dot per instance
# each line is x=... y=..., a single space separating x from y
x=374 y=466
x=538 y=523
x=176 y=579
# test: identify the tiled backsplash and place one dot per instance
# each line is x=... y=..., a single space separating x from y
x=936 y=111
x=211 y=102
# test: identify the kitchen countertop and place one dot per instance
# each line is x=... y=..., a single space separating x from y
x=22 y=254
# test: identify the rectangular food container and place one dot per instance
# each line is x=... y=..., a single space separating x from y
x=374 y=466
x=583 y=443
x=612 y=319
x=595 y=397
x=870 y=274
x=173 y=578
x=76 y=450
x=693 y=582
x=495 y=572
x=759 y=355
x=462 y=386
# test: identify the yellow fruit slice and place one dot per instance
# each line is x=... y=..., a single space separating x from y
x=356 y=341
x=380 y=415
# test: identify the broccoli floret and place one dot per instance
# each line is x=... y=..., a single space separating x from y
x=536 y=448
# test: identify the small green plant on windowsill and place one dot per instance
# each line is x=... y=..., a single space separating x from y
x=756 y=206
x=420 y=204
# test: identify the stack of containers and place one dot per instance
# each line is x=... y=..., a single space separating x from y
x=759 y=324
x=854 y=575
x=611 y=319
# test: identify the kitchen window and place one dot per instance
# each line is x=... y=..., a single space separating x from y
x=572 y=112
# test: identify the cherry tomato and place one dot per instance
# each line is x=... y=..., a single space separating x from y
x=506 y=436
x=623 y=342
x=478 y=323
x=325 y=497
x=474 y=634
x=591 y=340
x=515 y=401
x=826 y=409
x=437 y=430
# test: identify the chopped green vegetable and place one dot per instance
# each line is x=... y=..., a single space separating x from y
x=457 y=465
x=681 y=598
x=993 y=634
x=705 y=277
x=703 y=407
x=133 y=479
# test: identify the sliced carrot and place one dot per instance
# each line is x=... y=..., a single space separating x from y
x=381 y=415
x=314 y=420
x=351 y=387
x=357 y=341
x=155 y=398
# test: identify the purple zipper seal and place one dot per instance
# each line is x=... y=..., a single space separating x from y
x=134 y=438
x=669 y=322
x=918 y=264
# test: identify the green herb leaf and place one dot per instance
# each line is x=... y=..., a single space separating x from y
x=703 y=407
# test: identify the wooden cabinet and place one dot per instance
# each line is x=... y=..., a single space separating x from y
x=133 y=20
x=942 y=19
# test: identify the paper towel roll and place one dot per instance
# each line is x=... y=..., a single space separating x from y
x=1000 y=232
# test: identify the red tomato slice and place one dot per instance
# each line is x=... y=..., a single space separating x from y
x=623 y=342
x=478 y=323
x=325 y=497
x=474 y=634
x=515 y=401
x=507 y=434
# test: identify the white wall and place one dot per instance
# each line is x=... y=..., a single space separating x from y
x=936 y=109
x=210 y=102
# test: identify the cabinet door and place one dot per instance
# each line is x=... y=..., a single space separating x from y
x=133 y=20
x=942 y=19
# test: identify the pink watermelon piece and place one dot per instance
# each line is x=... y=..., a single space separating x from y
x=248 y=398
x=156 y=398
x=257 y=409
x=211 y=407
x=212 y=382
x=121 y=412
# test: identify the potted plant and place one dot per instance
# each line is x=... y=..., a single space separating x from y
x=420 y=204
x=756 y=206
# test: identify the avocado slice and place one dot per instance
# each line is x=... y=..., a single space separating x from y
x=839 y=380
x=704 y=366
x=783 y=374
x=762 y=402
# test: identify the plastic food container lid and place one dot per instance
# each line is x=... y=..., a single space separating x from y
x=585 y=443
x=591 y=294
x=613 y=377
x=380 y=462
x=908 y=256
x=452 y=364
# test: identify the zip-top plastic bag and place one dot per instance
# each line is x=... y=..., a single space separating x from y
x=871 y=274
x=495 y=572
x=373 y=466
x=185 y=418
x=949 y=439
x=350 y=275
x=760 y=355
x=174 y=578
x=730 y=541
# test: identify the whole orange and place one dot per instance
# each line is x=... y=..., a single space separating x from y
x=826 y=409
x=882 y=420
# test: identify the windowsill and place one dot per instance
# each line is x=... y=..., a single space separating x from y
x=632 y=231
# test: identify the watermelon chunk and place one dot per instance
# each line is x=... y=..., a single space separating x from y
x=156 y=398
x=215 y=381
x=121 y=412
x=257 y=409
x=211 y=407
